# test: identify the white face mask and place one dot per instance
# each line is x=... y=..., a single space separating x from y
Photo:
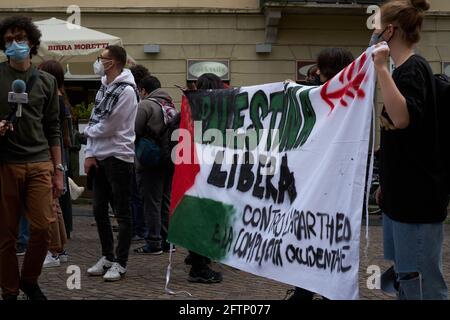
x=99 y=69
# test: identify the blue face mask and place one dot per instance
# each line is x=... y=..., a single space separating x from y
x=17 y=51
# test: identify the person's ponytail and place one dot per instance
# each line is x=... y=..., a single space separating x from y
x=422 y=5
x=407 y=15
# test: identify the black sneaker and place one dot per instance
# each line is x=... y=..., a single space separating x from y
x=166 y=247
x=9 y=297
x=204 y=275
x=300 y=294
x=188 y=260
x=32 y=291
x=148 y=250
x=20 y=249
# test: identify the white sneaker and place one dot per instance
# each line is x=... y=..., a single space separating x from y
x=63 y=257
x=75 y=190
x=100 y=267
x=51 y=261
x=115 y=273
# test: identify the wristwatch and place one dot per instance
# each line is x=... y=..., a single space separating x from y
x=60 y=167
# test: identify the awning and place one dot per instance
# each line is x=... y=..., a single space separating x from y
x=72 y=45
x=67 y=42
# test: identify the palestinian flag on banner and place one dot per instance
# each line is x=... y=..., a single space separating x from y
x=270 y=178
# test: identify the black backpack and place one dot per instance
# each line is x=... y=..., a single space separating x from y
x=442 y=95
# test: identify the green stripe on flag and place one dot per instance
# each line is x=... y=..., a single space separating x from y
x=309 y=117
x=200 y=225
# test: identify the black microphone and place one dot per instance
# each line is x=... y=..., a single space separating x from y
x=18 y=95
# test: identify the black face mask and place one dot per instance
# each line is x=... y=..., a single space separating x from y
x=314 y=81
x=317 y=81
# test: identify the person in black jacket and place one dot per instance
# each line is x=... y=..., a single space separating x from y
x=412 y=194
x=330 y=62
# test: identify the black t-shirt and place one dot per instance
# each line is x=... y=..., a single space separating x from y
x=411 y=177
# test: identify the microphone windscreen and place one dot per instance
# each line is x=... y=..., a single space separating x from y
x=18 y=86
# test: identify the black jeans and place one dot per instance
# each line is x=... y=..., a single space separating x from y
x=65 y=201
x=113 y=178
x=137 y=209
x=155 y=186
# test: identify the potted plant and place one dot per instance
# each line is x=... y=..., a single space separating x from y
x=82 y=113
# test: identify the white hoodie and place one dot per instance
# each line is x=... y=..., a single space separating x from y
x=114 y=135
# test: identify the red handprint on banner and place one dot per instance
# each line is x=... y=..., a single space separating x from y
x=352 y=89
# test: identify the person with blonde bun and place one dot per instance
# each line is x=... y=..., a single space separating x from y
x=412 y=190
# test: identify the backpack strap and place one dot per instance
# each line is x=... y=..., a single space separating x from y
x=134 y=89
x=156 y=101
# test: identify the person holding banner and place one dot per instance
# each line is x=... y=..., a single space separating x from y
x=412 y=194
x=200 y=271
x=330 y=62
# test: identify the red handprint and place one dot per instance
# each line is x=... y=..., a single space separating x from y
x=350 y=89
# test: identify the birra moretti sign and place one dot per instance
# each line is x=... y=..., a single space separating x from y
x=270 y=179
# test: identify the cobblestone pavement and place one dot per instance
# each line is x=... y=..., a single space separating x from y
x=146 y=275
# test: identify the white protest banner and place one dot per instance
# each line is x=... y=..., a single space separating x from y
x=270 y=179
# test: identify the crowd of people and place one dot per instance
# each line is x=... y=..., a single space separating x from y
x=127 y=158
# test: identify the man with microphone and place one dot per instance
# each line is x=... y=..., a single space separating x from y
x=31 y=173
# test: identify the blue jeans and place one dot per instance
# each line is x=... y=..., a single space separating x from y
x=24 y=232
x=416 y=250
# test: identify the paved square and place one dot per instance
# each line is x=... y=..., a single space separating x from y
x=146 y=274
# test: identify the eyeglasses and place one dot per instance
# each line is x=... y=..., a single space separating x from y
x=17 y=38
x=103 y=58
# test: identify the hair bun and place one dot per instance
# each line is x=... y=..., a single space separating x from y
x=420 y=4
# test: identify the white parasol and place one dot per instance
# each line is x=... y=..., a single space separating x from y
x=67 y=42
